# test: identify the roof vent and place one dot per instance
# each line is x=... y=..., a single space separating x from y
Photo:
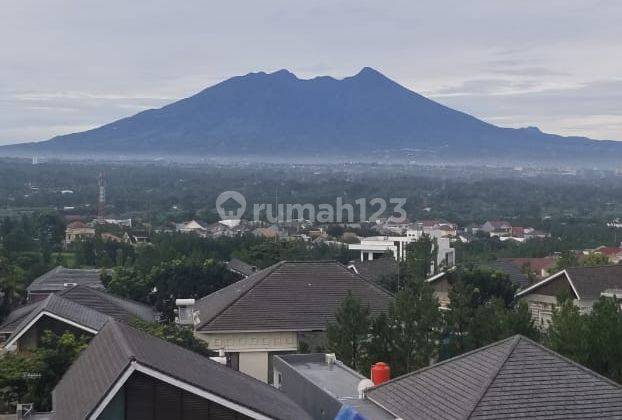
x=363 y=386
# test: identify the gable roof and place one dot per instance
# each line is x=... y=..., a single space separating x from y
x=57 y=278
x=120 y=349
x=288 y=296
x=82 y=305
x=513 y=378
x=63 y=309
x=587 y=282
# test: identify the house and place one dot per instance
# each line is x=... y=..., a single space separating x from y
x=279 y=310
x=497 y=227
x=240 y=268
x=539 y=267
x=441 y=283
x=584 y=285
x=111 y=237
x=127 y=374
x=60 y=278
x=513 y=271
x=78 y=230
x=79 y=309
x=514 y=378
x=191 y=227
x=431 y=226
x=613 y=253
x=377 y=246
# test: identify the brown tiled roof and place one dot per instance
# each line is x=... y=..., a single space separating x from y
x=118 y=345
x=288 y=296
x=513 y=378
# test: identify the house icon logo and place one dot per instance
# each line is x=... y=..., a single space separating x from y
x=229 y=200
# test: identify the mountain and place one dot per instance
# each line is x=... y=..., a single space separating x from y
x=279 y=115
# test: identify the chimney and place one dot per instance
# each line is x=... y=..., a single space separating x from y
x=380 y=373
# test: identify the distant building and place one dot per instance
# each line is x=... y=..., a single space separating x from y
x=279 y=310
x=377 y=246
x=126 y=374
x=585 y=285
x=191 y=227
x=61 y=278
x=497 y=227
x=78 y=230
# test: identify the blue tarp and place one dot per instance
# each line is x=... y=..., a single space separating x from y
x=349 y=413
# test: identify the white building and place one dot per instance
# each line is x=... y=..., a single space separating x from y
x=377 y=246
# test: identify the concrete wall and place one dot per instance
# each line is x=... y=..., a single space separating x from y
x=255 y=364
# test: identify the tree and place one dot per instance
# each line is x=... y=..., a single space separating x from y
x=594 y=259
x=15 y=383
x=415 y=323
x=379 y=347
x=11 y=287
x=567 y=330
x=566 y=259
x=347 y=335
x=421 y=258
x=183 y=337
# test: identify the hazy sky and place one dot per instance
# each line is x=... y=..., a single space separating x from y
x=67 y=66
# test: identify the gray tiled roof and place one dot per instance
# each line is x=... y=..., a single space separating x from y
x=375 y=270
x=289 y=296
x=240 y=267
x=110 y=353
x=514 y=273
x=81 y=304
x=513 y=378
x=590 y=282
x=55 y=279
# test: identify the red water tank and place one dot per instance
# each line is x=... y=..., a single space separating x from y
x=380 y=373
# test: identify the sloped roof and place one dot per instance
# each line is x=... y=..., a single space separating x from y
x=118 y=347
x=65 y=309
x=288 y=296
x=56 y=279
x=513 y=378
x=376 y=269
x=536 y=264
x=514 y=273
x=240 y=267
x=587 y=282
x=80 y=304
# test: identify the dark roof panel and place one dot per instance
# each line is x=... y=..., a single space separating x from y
x=590 y=282
x=57 y=279
x=513 y=378
x=110 y=352
x=289 y=296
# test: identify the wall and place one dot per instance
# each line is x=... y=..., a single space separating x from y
x=255 y=364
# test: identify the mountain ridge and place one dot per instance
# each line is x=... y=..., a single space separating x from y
x=279 y=114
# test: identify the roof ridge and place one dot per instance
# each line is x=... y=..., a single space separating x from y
x=516 y=339
x=116 y=331
x=264 y=274
x=443 y=362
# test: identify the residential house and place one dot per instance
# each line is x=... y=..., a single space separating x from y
x=192 y=226
x=128 y=374
x=613 y=253
x=377 y=246
x=279 y=310
x=584 y=285
x=540 y=268
x=78 y=230
x=60 y=278
x=79 y=309
x=497 y=227
x=514 y=378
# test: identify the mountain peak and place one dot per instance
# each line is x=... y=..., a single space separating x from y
x=283 y=73
x=370 y=72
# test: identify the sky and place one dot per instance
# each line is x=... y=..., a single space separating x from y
x=68 y=66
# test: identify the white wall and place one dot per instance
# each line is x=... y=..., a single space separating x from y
x=255 y=364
